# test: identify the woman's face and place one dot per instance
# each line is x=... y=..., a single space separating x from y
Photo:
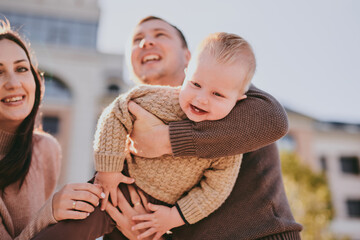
x=17 y=86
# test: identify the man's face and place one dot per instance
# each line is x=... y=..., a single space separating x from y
x=157 y=54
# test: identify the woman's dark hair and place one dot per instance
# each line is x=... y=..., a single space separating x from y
x=16 y=163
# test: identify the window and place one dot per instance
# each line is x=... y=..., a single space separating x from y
x=353 y=207
x=323 y=164
x=55 y=88
x=113 y=88
x=350 y=165
x=51 y=124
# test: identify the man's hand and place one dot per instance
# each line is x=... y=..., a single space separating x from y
x=160 y=221
x=110 y=181
x=143 y=142
x=123 y=218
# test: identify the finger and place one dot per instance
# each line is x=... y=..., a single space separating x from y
x=136 y=110
x=81 y=206
x=123 y=204
x=157 y=236
x=76 y=215
x=134 y=196
x=113 y=196
x=142 y=225
x=153 y=207
x=147 y=233
x=143 y=217
x=127 y=180
x=115 y=214
x=85 y=196
x=104 y=201
x=144 y=200
x=93 y=188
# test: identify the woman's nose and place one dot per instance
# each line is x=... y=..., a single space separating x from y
x=12 y=82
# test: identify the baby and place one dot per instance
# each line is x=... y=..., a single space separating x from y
x=218 y=76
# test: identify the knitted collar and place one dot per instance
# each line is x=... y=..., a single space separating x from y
x=6 y=140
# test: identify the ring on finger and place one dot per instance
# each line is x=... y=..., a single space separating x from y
x=74 y=205
x=137 y=203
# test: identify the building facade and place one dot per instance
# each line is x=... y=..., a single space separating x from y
x=79 y=80
x=334 y=148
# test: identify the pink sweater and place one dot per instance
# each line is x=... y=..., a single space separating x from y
x=26 y=211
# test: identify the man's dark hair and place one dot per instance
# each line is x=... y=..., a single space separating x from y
x=181 y=35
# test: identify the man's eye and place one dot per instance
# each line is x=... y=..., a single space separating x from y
x=159 y=34
x=196 y=84
x=136 y=40
x=218 y=94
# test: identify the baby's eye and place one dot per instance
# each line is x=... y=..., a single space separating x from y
x=196 y=84
x=218 y=94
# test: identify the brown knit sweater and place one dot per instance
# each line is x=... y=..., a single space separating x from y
x=257 y=207
x=207 y=181
x=26 y=211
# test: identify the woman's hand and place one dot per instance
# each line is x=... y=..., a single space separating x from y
x=146 y=126
x=76 y=201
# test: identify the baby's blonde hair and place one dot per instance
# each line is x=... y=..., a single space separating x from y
x=228 y=48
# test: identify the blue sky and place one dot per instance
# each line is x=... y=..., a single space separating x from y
x=308 y=52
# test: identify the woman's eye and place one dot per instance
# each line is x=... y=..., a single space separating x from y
x=22 y=69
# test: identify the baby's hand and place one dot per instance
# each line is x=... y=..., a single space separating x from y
x=110 y=181
x=159 y=222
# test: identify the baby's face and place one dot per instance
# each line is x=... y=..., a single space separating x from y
x=210 y=89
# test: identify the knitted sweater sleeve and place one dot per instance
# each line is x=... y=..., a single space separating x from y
x=253 y=123
x=212 y=191
x=43 y=218
x=110 y=138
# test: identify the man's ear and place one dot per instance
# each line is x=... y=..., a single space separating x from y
x=241 y=97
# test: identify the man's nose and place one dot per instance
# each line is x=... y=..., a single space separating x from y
x=146 y=42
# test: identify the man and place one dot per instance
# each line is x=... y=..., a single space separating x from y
x=257 y=208
x=159 y=56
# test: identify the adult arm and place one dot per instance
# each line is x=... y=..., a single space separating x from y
x=255 y=122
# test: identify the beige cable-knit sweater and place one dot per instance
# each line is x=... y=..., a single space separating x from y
x=207 y=181
x=25 y=212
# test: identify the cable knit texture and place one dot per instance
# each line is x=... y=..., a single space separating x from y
x=253 y=123
x=26 y=211
x=207 y=181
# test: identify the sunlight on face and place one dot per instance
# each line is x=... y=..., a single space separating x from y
x=17 y=86
x=211 y=89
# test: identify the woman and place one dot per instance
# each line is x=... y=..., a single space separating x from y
x=29 y=159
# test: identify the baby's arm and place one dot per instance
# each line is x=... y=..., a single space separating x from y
x=215 y=186
x=109 y=147
x=212 y=191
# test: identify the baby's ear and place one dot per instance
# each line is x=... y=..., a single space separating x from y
x=241 y=97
